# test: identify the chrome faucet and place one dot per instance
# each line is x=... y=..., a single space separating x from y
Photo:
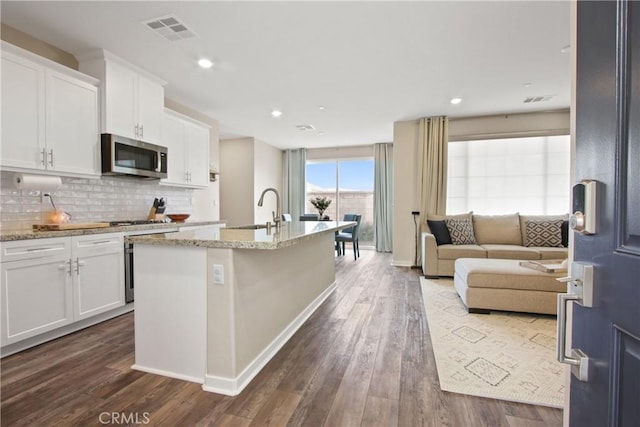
x=277 y=216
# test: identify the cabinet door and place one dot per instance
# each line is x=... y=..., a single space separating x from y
x=72 y=125
x=197 y=138
x=36 y=295
x=23 y=115
x=173 y=137
x=150 y=109
x=120 y=100
x=98 y=267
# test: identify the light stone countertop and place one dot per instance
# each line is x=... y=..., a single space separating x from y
x=13 y=235
x=236 y=238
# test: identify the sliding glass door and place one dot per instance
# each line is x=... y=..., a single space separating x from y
x=349 y=185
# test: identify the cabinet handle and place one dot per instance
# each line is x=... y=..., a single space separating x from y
x=43 y=158
x=37 y=249
x=136 y=131
x=66 y=266
x=102 y=242
x=141 y=131
x=51 y=157
x=79 y=264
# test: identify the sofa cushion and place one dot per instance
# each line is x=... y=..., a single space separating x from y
x=506 y=274
x=461 y=231
x=461 y=251
x=437 y=217
x=510 y=252
x=543 y=232
x=525 y=218
x=551 y=253
x=498 y=229
x=440 y=232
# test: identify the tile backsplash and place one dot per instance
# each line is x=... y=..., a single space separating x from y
x=88 y=200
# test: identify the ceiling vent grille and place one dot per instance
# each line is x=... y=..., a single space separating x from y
x=170 y=27
x=532 y=99
x=305 y=127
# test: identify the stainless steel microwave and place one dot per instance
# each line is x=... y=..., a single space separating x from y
x=126 y=156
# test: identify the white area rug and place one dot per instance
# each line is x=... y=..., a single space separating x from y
x=507 y=356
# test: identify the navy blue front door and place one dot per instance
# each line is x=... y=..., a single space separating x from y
x=608 y=150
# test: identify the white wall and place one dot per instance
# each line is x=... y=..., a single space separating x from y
x=236 y=181
x=405 y=144
x=267 y=173
x=247 y=167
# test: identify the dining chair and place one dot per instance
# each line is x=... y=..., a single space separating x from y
x=350 y=235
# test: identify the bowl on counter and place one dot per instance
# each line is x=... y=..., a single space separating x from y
x=178 y=217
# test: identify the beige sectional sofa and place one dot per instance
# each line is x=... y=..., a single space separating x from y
x=513 y=236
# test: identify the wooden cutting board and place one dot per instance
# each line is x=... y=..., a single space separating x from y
x=72 y=226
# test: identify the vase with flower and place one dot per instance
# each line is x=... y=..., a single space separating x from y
x=321 y=204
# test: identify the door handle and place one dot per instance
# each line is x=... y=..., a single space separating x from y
x=580 y=291
x=578 y=359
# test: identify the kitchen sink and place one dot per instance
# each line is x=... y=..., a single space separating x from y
x=249 y=227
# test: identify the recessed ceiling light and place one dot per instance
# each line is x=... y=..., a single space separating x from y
x=527 y=84
x=321 y=107
x=276 y=113
x=205 y=63
x=456 y=101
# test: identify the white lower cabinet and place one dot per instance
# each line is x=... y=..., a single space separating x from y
x=49 y=283
x=98 y=272
x=36 y=288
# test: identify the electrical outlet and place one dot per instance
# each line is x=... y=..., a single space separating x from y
x=218 y=274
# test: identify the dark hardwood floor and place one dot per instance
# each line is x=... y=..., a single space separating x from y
x=363 y=358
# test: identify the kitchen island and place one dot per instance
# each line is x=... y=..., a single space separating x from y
x=213 y=306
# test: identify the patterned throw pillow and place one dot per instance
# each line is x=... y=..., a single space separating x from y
x=544 y=233
x=461 y=231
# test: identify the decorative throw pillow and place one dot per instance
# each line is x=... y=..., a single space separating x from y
x=564 y=230
x=544 y=233
x=440 y=232
x=461 y=231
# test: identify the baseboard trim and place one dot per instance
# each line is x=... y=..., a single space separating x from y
x=398 y=263
x=167 y=373
x=234 y=386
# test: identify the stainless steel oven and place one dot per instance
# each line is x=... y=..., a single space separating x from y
x=128 y=272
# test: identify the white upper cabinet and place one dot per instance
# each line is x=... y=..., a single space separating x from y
x=49 y=116
x=71 y=125
x=132 y=99
x=188 y=158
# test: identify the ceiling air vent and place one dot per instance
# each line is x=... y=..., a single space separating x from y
x=305 y=127
x=532 y=99
x=170 y=27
